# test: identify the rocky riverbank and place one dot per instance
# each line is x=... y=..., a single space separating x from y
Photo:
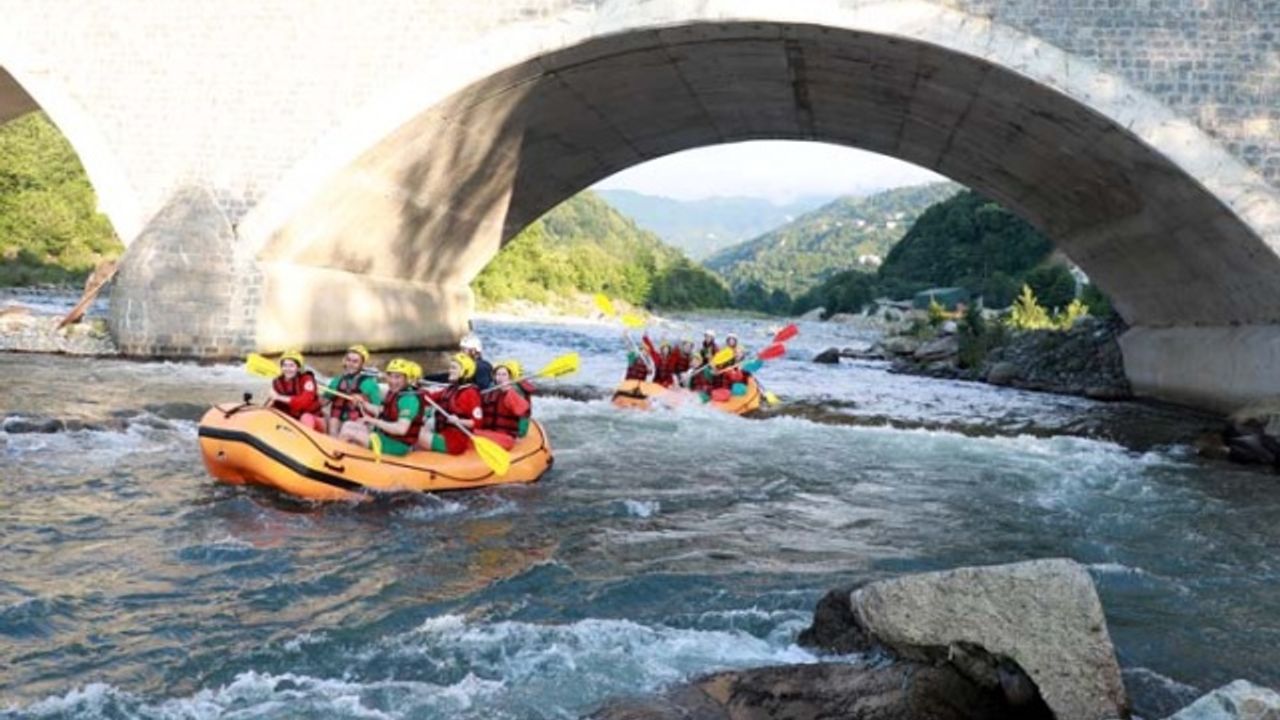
x=1084 y=360
x=1027 y=640
x=22 y=330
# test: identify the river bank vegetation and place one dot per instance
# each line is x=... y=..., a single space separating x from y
x=50 y=227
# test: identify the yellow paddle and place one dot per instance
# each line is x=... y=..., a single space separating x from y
x=498 y=460
x=564 y=365
x=262 y=366
x=633 y=321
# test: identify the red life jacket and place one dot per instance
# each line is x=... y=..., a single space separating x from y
x=679 y=360
x=295 y=388
x=350 y=385
x=700 y=381
x=391 y=413
x=498 y=415
x=662 y=370
x=638 y=370
x=458 y=400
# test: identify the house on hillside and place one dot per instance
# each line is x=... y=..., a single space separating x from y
x=948 y=297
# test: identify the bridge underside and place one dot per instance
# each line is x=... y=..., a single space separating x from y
x=423 y=211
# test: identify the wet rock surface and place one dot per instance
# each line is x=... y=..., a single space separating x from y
x=1240 y=700
x=24 y=331
x=897 y=691
x=1041 y=617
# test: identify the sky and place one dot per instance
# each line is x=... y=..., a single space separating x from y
x=778 y=170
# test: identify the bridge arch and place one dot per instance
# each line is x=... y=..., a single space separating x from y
x=425 y=186
x=24 y=90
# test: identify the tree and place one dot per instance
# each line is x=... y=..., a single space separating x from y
x=1053 y=285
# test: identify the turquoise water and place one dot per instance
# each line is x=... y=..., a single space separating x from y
x=662 y=546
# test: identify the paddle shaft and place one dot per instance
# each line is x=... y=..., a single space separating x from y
x=451 y=418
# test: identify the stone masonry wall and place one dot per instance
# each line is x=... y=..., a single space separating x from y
x=1216 y=62
x=231 y=95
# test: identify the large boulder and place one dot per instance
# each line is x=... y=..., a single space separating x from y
x=901 y=345
x=830 y=356
x=940 y=348
x=1042 y=616
x=1240 y=700
x=1002 y=373
x=901 y=691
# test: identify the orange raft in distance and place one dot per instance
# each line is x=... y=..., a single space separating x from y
x=251 y=444
x=641 y=394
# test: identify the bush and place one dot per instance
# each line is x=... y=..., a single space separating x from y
x=1028 y=314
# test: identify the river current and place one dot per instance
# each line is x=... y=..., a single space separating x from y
x=663 y=545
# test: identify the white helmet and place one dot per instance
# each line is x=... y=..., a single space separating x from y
x=470 y=342
x=709 y=333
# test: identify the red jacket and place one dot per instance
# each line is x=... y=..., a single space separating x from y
x=503 y=411
x=302 y=391
x=463 y=402
x=638 y=369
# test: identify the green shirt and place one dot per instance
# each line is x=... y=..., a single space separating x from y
x=368 y=386
x=406 y=407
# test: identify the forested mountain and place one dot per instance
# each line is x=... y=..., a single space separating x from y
x=847 y=233
x=50 y=227
x=584 y=245
x=701 y=227
x=967 y=241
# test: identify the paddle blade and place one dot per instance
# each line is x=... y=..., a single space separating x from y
x=605 y=304
x=721 y=395
x=725 y=355
x=753 y=366
x=492 y=454
x=256 y=364
x=786 y=333
x=375 y=444
x=561 y=366
x=633 y=321
x=770 y=398
x=770 y=352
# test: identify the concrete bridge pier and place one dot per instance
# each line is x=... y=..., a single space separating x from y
x=187 y=288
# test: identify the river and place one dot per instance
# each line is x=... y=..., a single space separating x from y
x=662 y=545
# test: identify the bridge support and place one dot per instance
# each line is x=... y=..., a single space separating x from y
x=184 y=291
x=1215 y=368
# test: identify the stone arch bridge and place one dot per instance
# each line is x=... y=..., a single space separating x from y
x=321 y=173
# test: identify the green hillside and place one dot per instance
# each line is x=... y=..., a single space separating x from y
x=50 y=227
x=968 y=241
x=700 y=228
x=965 y=241
x=826 y=241
x=585 y=246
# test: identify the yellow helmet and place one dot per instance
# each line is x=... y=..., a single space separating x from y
x=512 y=366
x=411 y=371
x=294 y=355
x=467 y=364
x=360 y=350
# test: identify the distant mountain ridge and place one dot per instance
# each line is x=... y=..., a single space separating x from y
x=700 y=228
x=846 y=233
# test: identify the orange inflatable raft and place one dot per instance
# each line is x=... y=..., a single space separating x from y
x=641 y=394
x=251 y=444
